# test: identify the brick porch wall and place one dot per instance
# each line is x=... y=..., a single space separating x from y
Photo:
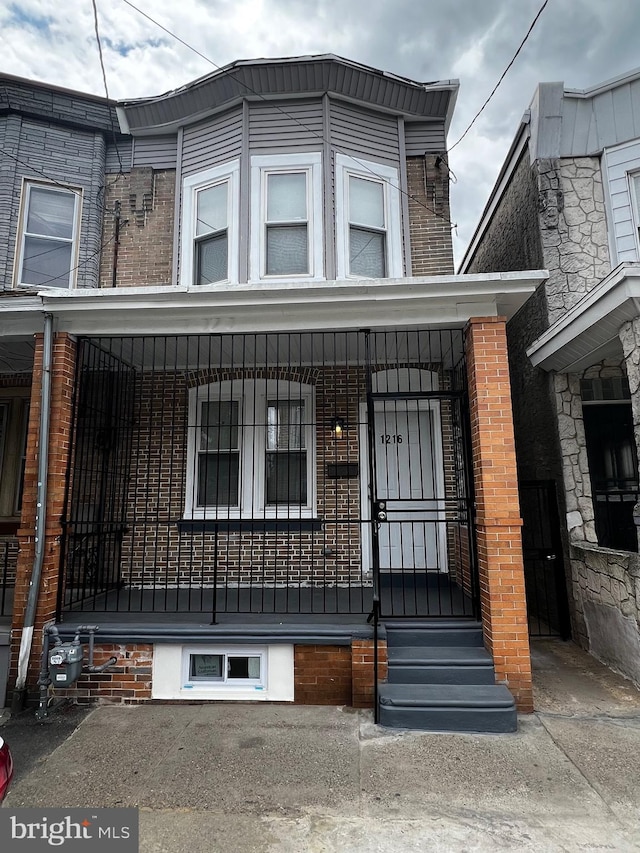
x=62 y=383
x=498 y=522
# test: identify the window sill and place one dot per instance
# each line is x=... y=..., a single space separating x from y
x=248 y=525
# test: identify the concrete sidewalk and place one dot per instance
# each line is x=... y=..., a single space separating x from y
x=283 y=778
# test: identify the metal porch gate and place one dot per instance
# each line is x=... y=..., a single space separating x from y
x=547 y=600
x=422 y=531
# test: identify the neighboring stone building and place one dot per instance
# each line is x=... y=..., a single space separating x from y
x=266 y=419
x=568 y=199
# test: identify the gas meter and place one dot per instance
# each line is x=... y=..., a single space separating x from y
x=65 y=664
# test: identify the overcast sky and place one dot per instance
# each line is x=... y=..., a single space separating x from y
x=580 y=42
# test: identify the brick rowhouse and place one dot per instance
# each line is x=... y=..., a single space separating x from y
x=62 y=383
x=498 y=521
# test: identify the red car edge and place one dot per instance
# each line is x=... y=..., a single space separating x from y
x=6 y=768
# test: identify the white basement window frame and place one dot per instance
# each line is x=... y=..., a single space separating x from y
x=246 y=433
x=210 y=218
x=48 y=235
x=380 y=183
x=224 y=668
x=275 y=182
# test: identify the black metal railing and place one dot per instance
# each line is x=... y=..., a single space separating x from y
x=231 y=474
x=8 y=558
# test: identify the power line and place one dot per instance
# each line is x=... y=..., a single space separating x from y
x=104 y=80
x=319 y=136
x=68 y=272
x=502 y=76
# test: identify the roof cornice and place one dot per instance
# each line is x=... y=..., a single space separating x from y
x=296 y=77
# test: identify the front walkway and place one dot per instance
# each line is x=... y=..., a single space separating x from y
x=294 y=779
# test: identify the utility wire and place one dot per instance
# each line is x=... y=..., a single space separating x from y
x=502 y=76
x=319 y=136
x=104 y=80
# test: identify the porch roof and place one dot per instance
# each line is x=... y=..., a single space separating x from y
x=424 y=301
x=589 y=332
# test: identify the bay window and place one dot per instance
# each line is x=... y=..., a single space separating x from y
x=368 y=238
x=286 y=217
x=209 y=244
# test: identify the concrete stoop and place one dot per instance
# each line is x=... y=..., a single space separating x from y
x=441 y=678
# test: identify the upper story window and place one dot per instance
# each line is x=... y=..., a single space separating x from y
x=209 y=248
x=250 y=450
x=369 y=237
x=48 y=236
x=634 y=179
x=286 y=217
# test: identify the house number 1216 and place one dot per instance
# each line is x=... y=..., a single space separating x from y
x=395 y=438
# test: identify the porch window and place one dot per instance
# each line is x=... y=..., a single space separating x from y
x=13 y=437
x=250 y=448
x=286 y=216
x=48 y=236
x=368 y=239
x=209 y=243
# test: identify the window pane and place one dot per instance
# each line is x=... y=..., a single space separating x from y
x=243 y=666
x=51 y=213
x=286 y=197
x=366 y=202
x=46 y=262
x=211 y=259
x=286 y=478
x=218 y=479
x=367 y=253
x=212 y=209
x=287 y=250
x=219 y=425
x=285 y=425
x=207 y=667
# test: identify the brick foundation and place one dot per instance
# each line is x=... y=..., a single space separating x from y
x=498 y=522
x=362 y=671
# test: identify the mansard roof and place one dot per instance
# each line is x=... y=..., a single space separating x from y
x=286 y=78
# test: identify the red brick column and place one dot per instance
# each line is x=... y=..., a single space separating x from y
x=62 y=381
x=362 y=671
x=498 y=522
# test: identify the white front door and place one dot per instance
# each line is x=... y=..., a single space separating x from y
x=410 y=481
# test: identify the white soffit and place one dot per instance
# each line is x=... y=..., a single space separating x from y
x=588 y=332
x=434 y=301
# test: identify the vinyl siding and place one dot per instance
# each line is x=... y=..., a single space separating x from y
x=361 y=133
x=617 y=164
x=424 y=137
x=286 y=127
x=604 y=120
x=159 y=152
x=212 y=142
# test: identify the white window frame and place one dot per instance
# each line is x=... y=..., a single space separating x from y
x=262 y=166
x=387 y=176
x=224 y=684
x=253 y=396
x=228 y=173
x=25 y=197
x=634 y=194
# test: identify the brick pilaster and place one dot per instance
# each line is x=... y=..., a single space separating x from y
x=62 y=381
x=498 y=522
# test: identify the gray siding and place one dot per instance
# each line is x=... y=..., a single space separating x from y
x=212 y=142
x=69 y=157
x=285 y=127
x=56 y=105
x=361 y=133
x=159 y=152
x=591 y=124
x=124 y=149
x=424 y=137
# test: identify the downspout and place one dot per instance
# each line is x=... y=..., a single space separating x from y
x=26 y=639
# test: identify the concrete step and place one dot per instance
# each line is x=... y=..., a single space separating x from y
x=447 y=707
x=439 y=665
x=434 y=632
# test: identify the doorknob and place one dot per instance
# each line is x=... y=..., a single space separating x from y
x=550 y=557
x=382 y=515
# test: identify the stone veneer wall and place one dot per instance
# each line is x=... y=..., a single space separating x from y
x=606 y=591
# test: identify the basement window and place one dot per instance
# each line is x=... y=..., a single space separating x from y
x=224 y=668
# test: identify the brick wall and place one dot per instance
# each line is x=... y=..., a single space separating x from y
x=145 y=249
x=362 y=671
x=429 y=216
x=322 y=675
x=498 y=523
x=127 y=682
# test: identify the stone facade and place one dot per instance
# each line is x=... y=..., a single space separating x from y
x=573 y=228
